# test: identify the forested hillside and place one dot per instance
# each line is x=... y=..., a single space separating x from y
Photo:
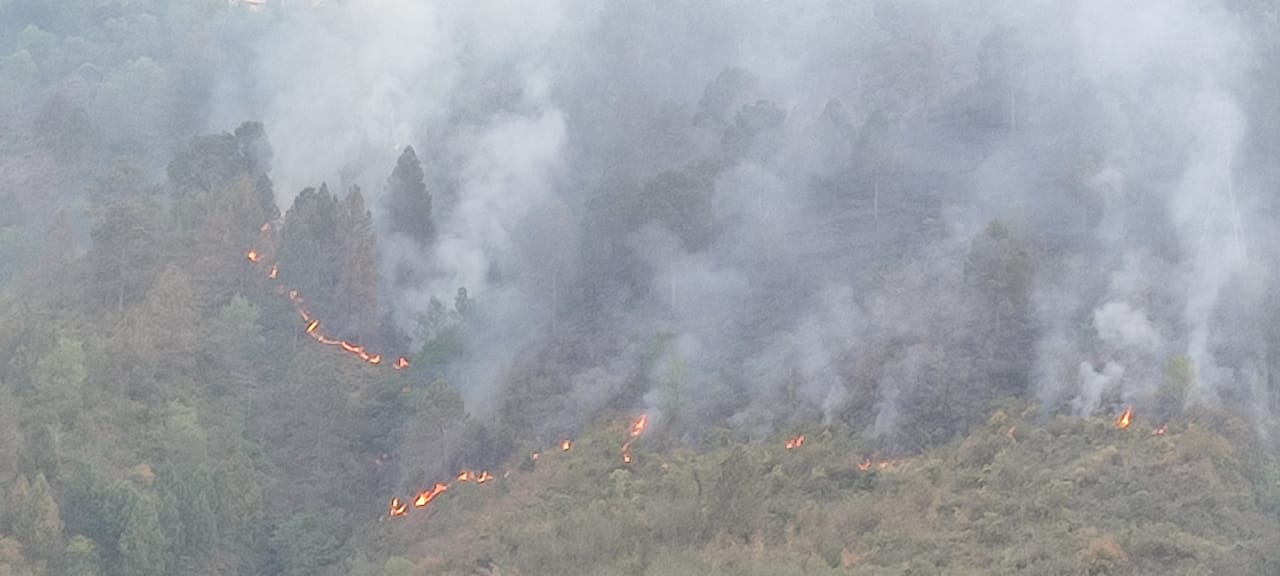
x=395 y=287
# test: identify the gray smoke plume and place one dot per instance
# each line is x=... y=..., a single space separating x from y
x=835 y=161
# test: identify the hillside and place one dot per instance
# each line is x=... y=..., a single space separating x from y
x=1061 y=496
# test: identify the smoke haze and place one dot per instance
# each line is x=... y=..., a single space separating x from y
x=828 y=166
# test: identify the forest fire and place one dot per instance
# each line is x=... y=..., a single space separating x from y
x=401 y=363
x=483 y=477
x=1125 y=419
x=793 y=443
x=253 y=256
x=426 y=496
x=312 y=325
x=637 y=427
x=566 y=445
x=626 y=457
x=398 y=508
x=275 y=271
x=465 y=476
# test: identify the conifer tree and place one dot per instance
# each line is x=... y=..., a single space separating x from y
x=409 y=202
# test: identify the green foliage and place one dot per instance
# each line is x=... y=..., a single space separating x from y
x=408 y=200
x=97 y=507
x=310 y=250
x=36 y=520
x=60 y=376
x=146 y=545
x=307 y=543
x=80 y=558
x=397 y=566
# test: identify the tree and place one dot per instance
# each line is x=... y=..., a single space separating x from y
x=310 y=250
x=96 y=507
x=126 y=248
x=79 y=558
x=185 y=478
x=998 y=277
x=162 y=347
x=37 y=522
x=145 y=545
x=60 y=375
x=397 y=566
x=308 y=542
x=408 y=201
x=358 y=277
x=233 y=349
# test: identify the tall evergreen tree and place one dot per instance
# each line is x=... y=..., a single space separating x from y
x=126 y=238
x=310 y=250
x=37 y=523
x=998 y=276
x=145 y=546
x=409 y=202
x=358 y=278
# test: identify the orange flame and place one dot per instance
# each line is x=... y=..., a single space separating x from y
x=796 y=442
x=275 y=270
x=565 y=445
x=637 y=427
x=1161 y=430
x=534 y=456
x=483 y=477
x=626 y=457
x=252 y=255
x=311 y=326
x=397 y=508
x=465 y=476
x=401 y=363
x=1125 y=419
x=375 y=359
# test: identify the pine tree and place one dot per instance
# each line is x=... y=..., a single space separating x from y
x=38 y=523
x=162 y=347
x=79 y=558
x=126 y=238
x=409 y=202
x=998 y=276
x=59 y=377
x=145 y=547
x=358 y=278
x=310 y=251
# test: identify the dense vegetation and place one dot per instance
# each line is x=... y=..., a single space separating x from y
x=164 y=410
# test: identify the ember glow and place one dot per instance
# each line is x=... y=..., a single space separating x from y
x=483 y=477
x=565 y=445
x=637 y=427
x=793 y=443
x=313 y=324
x=398 y=508
x=1125 y=419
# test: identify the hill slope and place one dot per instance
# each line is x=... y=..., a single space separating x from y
x=1058 y=496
